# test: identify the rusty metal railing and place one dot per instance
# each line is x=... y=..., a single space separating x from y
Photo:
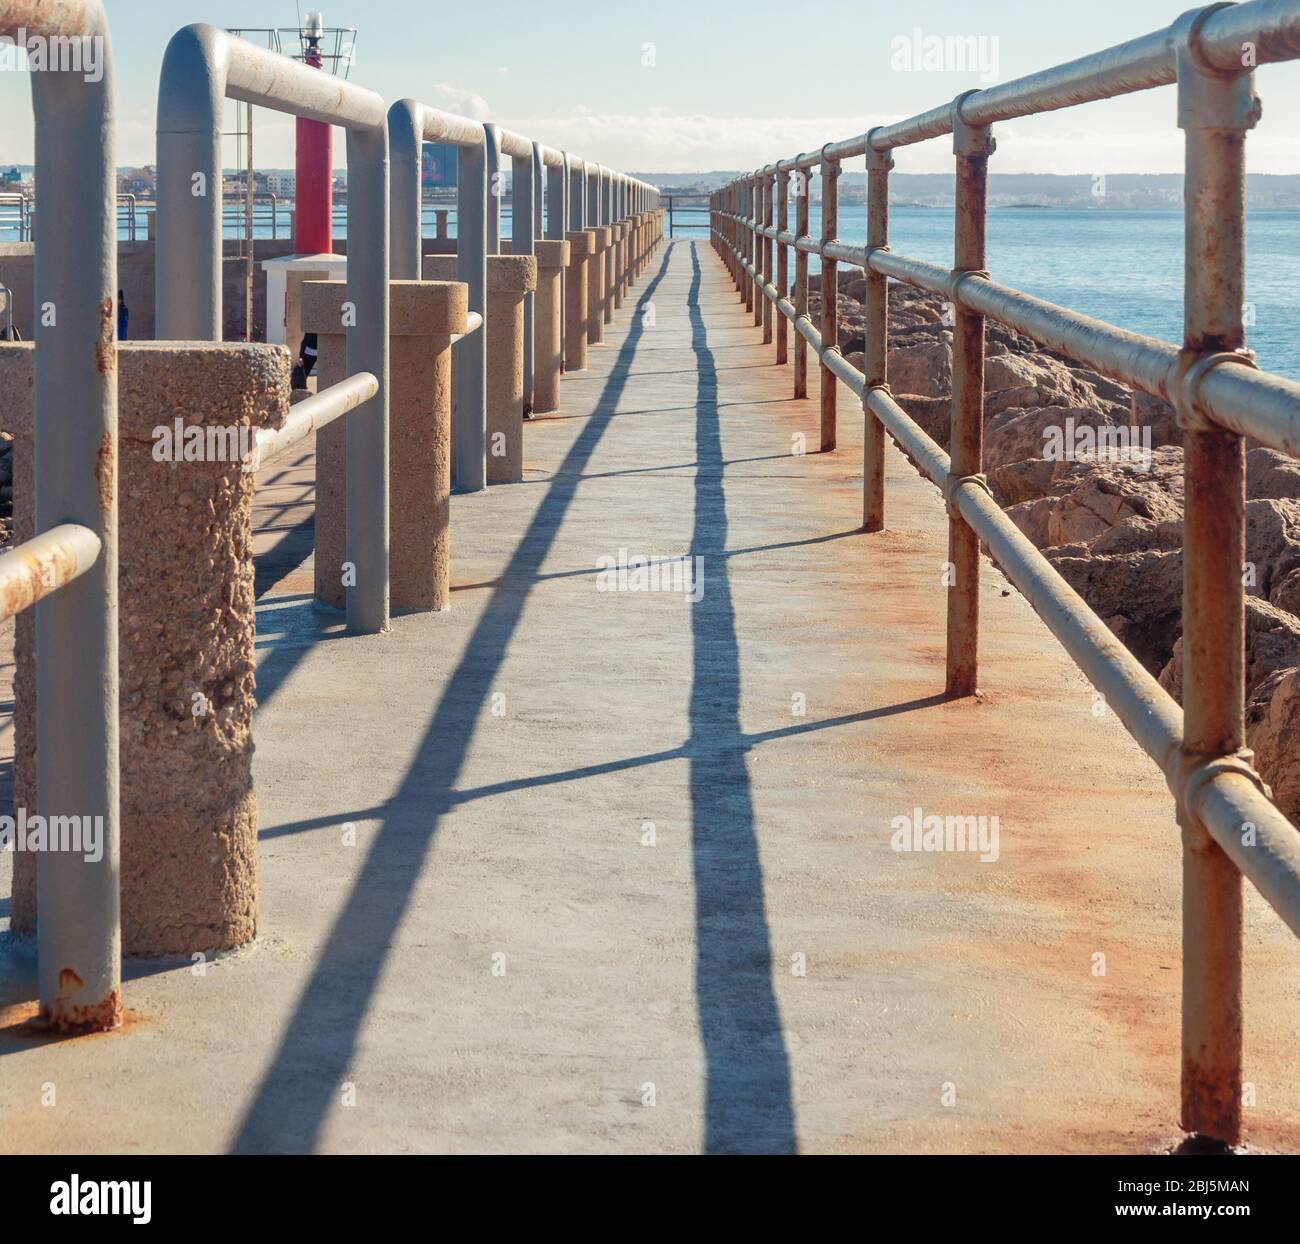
x=72 y=560
x=1230 y=825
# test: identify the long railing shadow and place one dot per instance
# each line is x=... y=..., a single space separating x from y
x=748 y=1103
x=320 y=1038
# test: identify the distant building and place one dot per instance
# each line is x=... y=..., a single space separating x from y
x=11 y=177
x=439 y=168
x=282 y=183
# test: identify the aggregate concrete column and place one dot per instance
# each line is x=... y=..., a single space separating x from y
x=552 y=258
x=423 y=317
x=596 y=286
x=186 y=635
x=510 y=278
x=620 y=262
x=582 y=246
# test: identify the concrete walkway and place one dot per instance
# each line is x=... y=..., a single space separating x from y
x=622 y=877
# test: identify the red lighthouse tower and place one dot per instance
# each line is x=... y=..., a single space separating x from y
x=313 y=231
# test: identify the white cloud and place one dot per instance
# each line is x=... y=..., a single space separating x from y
x=459 y=99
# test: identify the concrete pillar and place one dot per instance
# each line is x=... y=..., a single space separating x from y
x=611 y=266
x=596 y=286
x=440 y=222
x=552 y=258
x=620 y=261
x=582 y=246
x=186 y=632
x=510 y=278
x=423 y=317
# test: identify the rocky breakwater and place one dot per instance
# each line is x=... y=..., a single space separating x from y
x=1092 y=473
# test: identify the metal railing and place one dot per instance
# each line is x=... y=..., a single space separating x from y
x=481 y=149
x=1229 y=824
x=72 y=561
x=202 y=66
x=70 y=566
x=695 y=208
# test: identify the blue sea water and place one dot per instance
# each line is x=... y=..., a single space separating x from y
x=1125 y=267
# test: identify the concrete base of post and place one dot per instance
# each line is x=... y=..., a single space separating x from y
x=187 y=629
x=582 y=246
x=509 y=279
x=422 y=317
x=548 y=350
x=596 y=268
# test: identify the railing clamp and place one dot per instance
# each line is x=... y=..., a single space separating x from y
x=1208 y=99
x=830 y=168
x=1197 y=771
x=953 y=482
x=970 y=140
x=1190 y=371
x=957 y=276
x=878 y=161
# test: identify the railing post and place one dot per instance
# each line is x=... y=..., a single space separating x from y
x=1214 y=111
x=782 y=262
x=752 y=300
x=800 y=279
x=765 y=246
x=876 y=349
x=972 y=146
x=830 y=298
x=75 y=434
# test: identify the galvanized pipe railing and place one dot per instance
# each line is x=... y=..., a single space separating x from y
x=201 y=67
x=1211 y=380
x=75 y=550
x=478 y=235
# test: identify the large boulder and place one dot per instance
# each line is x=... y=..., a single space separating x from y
x=1273 y=733
x=1285 y=593
x=1157 y=415
x=1272 y=543
x=924 y=369
x=1138 y=595
x=1272 y=474
x=1272 y=644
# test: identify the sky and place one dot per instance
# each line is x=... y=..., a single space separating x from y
x=699 y=85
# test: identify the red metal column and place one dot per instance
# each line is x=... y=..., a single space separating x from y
x=313 y=232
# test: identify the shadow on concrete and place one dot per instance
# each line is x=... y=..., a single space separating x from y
x=321 y=1036
x=748 y=1104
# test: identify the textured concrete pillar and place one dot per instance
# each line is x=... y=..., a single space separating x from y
x=322 y=315
x=186 y=632
x=422 y=318
x=582 y=245
x=509 y=279
x=440 y=223
x=596 y=286
x=611 y=262
x=552 y=259
x=620 y=261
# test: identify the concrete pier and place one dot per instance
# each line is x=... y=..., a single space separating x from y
x=669 y=884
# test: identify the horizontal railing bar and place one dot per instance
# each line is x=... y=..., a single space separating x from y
x=1253 y=403
x=311 y=415
x=1225 y=805
x=473 y=322
x=1148 y=711
x=44 y=564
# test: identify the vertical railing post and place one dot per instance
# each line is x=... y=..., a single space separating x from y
x=830 y=298
x=469 y=357
x=556 y=225
x=1214 y=111
x=800 y=279
x=782 y=262
x=79 y=947
x=876 y=349
x=753 y=302
x=765 y=245
x=972 y=146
